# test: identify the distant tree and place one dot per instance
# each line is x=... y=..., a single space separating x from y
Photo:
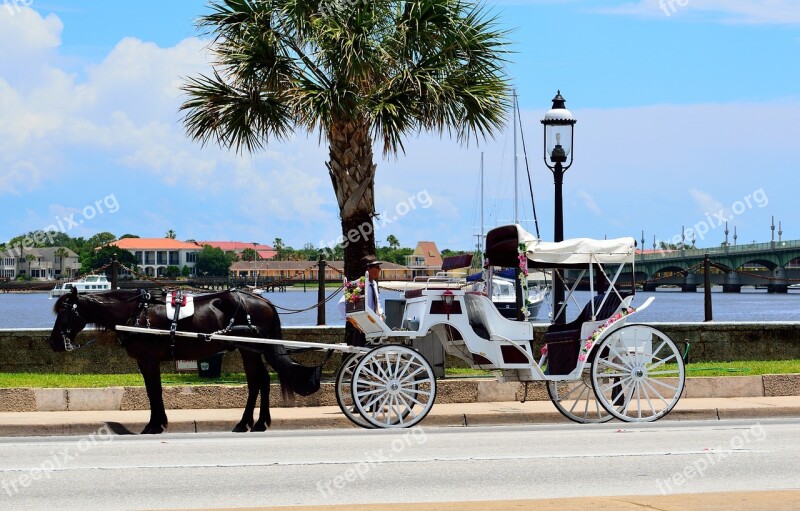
x=186 y=271
x=172 y=271
x=61 y=253
x=29 y=258
x=213 y=261
x=128 y=236
x=394 y=244
x=249 y=254
x=96 y=259
x=171 y=234
x=278 y=246
x=100 y=239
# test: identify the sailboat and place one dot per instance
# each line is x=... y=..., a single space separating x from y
x=502 y=285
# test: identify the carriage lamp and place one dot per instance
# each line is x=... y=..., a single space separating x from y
x=559 y=126
x=448 y=298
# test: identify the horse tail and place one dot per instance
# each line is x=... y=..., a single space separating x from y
x=278 y=357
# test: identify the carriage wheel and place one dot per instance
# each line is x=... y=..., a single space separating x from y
x=393 y=387
x=576 y=400
x=344 y=393
x=638 y=374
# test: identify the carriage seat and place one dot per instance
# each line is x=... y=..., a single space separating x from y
x=573 y=328
x=563 y=341
x=487 y=322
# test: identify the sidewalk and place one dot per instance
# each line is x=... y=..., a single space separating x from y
x=452 y=415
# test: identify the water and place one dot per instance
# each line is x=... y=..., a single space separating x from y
x=35 y=310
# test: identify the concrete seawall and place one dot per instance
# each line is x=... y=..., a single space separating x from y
x=27 y=350
x=449 y=390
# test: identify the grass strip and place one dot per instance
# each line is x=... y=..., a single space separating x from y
x=54 y=380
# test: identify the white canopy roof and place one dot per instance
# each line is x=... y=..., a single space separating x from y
x=582 y=251
x=577 y=251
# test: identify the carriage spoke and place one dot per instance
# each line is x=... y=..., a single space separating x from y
x=664 y=384
x=663 y=361
x=387 y=385
x=642 y=395
x=657 y=393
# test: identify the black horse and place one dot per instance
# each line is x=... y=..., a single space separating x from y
x=238 y=313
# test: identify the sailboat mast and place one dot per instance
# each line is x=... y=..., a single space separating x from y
x=480 y=236
x=516 y=213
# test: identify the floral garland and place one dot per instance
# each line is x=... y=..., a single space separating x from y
x=587 y=346
x=523 y=279
x=354 y=290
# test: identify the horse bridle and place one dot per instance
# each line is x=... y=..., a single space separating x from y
x=70 y=307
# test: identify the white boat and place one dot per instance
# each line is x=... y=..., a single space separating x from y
x=88 y=284
x=504 y=297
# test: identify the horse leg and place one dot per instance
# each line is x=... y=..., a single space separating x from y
x=251 y=362
x=151 y=371
x=264 y=419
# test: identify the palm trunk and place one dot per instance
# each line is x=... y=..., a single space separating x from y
x=352 y=173
x=353 y=176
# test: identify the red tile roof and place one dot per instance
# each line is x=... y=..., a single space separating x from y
x=153 y=244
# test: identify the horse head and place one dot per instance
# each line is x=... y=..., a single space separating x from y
x=69 y=322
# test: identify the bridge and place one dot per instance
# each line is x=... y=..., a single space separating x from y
x=774 y=265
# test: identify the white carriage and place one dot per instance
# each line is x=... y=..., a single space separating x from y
x=597 y=367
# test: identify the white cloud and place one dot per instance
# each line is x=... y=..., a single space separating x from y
x=785 y=12
x=707 y=204
x=589 y=202
x=23 y=175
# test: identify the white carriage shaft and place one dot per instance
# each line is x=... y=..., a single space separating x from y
x=344 y=348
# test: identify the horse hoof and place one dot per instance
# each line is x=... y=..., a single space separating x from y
x=259 y=427
x=240 y=428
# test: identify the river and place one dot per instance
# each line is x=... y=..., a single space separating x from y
x=35 y=310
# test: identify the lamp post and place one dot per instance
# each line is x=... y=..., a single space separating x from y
x=559 y=126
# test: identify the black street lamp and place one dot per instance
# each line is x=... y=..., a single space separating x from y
x=559 y=127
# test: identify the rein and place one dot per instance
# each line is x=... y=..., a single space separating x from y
x=70 y=306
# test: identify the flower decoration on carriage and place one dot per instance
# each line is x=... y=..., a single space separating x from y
x=586 y=347
x=523 y=260
x=354 y=290
x=523 y=279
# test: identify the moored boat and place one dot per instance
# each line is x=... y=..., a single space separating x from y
x=88 y=284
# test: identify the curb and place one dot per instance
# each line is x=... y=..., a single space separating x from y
x=451 y=390
x=330 y=417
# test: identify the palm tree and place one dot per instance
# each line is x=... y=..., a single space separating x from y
x=393 y=242
x=353 y=72
x=171 y=234
x=61 y=253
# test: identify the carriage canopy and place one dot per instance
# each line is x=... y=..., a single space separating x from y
x=505 y=244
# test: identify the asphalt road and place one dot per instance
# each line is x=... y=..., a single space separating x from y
x=418 y=465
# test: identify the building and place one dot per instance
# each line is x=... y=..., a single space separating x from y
x=307 y=270
x=425 y=261
x=263 y=251
x=154 y=255
x=39 y=263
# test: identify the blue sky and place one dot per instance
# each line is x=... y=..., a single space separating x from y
x=687 y=114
